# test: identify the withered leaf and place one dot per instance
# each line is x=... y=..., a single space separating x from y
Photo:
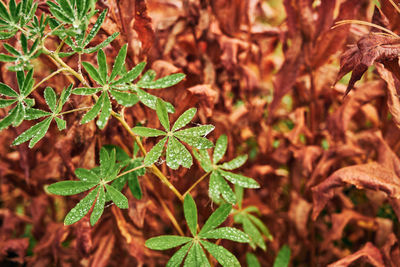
x=369 y=253
x=364 y=176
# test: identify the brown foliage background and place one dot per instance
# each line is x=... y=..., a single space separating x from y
x=263 y=73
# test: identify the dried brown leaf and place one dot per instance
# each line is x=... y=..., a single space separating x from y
x=368 y=253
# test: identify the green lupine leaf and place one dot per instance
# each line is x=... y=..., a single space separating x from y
x=20 y=115
x=51 y=98
x=66 y=7
x=7 y=58
x=112 y=166
x=147 y=132
x=28 y=83
x=239 y=195
x=105 y=161
x=96 y=27
x=58 y=14
x=220 y=148
x=7 y=102
x=65 y=94
x=98 y=207
x=86 y=91
x=184 y=119
x=124 y=99
x=12 y=50
x=202 y=130
x=223 y=256
x=3 y=12
x=117 y=197
x=86 y=175
x=37 y=130
x=190 y=211
x=229 y=233
x=134 y=186
x=283 y=257
x=253 y=232
x=101 y=45
x=194 y=141
x=225 y=189
x=204 y=159
x=7 y=35
x=196 y=257
x=252 y=260
x=257 y=222
x=178 y=257
x=68 y=188
x=40 y=132
x=177 y=154
x=238 y=179
x=235 y=163
x=164 y=82
x=20 y=78
x=155 y=152
x=150 y=100
x=29 y=102
x=7 y=90
x=103 y=68
x=24 y=44
x=213 y=187
x=121 y=155
x=81 y=209
x=162 y=114
x=13 y=10
x=164 y=242
x=105 y=112
x=61 y=124
x=119 y=62
x=93 y=72
x=251 y=209
x=131 y=75
x=216 y=218
x=148 y=76
x=92 y=113
x=6 y=121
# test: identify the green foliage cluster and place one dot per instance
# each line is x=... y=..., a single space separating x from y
x=70 y=21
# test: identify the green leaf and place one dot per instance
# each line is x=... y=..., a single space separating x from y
x=7 y=58
x=155 y=152
x=93 y=72
x=190 y=211
x=7 y=90
x=28 y=83
x=253 y=232
x=131 y=75
x=105 y=111
x=150 y=100
x=6 y=121
x=164 y=242
x=252 y=260
x=202 y=130
x=177 y=154
x=178 y=257
x=283 y=257
x=86 y=91
x=213 y=187
x=36 y=132
x=223 y=188
x=117 y=197
x=235 y=163
x=24 y=44
x=238 y=179
x=124 y=99
x=229 y=233
x=103 y=68
x=147 y=132
x=12 y=50
x=256 y=221
x=20 y=115
x=164 y=82
x=105 y=161
x=67 y=188
x=96 y=27
x=223 y=256
x=7 y=102
x=61 y=124
x=204 y=159
x=33 y=114
x=66 y=8
x=162 y=114
x=81 y=209
x=218 y=217
x=92 y=113
x=65 y=94
x=239 y=195
x=51 y=98
x=196 y=257
x=220 y=148
x=98 y=207
x=134 y=186
x=194 y=141
x=86 y=175
x=148 y=76
x=119 y=62
x=101 y=45
x=184 y=119
x=3 y=12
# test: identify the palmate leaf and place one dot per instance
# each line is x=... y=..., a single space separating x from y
x=177 y=154
x=81 y=209
x=223 y=256
x=190 y=212
x=164 y=82
x=220 y=148
x=155 y=153
x=117 y=197
x=228 y=233
x=283 y=257
x=218 y=217
x=35 y=133
x=196 y=257
x=164 y=242
x=67 y=188
x=252 y=260
x=98 y=207
x=178 y=257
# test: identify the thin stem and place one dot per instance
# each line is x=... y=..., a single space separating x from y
x=47 y=78
x=350 y=21
x=74 y=110
x=51 y=32
x=395 y=6
x=196 y=183
x=131 y=170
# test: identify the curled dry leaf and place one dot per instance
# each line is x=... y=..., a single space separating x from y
x=364 y=176
x=368 y=253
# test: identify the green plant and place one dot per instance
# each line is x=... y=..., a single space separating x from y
x=68 y=23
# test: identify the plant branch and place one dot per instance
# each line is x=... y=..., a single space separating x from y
x=47 y=78
x=196 y=183
x=74 y=110
x=131 y=170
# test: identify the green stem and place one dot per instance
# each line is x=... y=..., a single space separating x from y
x=196 y=183
x=47 y=78
x=74 y=110
x=131 y=170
